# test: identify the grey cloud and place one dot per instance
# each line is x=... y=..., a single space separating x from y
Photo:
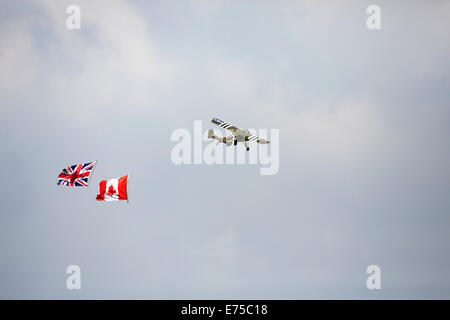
x=363 y=119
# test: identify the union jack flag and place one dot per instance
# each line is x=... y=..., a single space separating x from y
x=77 y=175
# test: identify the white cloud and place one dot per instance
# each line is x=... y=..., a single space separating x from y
x=234 y=81
x=117 y=61
x=343 y=133
x=330 y=132
x=324 y=130
x=17 y=64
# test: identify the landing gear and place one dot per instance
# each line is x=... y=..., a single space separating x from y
x=246 y=146
x=235 y=142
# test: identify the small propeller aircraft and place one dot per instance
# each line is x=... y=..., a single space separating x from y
x=238 y=135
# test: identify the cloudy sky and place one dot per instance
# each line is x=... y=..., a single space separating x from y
x=364 y=175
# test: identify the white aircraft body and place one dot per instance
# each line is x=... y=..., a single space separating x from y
x=237 y=135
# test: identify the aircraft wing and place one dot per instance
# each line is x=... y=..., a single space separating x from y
x=223 y=124
x=257 y=139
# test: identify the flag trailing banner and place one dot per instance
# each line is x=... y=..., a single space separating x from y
x=77 y=175
x=113 y=189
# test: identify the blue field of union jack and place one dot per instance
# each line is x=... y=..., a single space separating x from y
x=77 y=175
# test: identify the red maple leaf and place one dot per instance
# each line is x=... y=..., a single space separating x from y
x=111 y=191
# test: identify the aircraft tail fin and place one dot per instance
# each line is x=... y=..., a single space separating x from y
x=227 y=140
x=212 y=135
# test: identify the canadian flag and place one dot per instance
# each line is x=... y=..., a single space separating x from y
x=113 y=189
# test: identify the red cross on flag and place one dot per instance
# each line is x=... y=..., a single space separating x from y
x=113 y=189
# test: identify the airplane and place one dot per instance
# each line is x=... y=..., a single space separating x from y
x=238 y=135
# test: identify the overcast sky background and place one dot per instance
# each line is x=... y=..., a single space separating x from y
x=364 y=120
